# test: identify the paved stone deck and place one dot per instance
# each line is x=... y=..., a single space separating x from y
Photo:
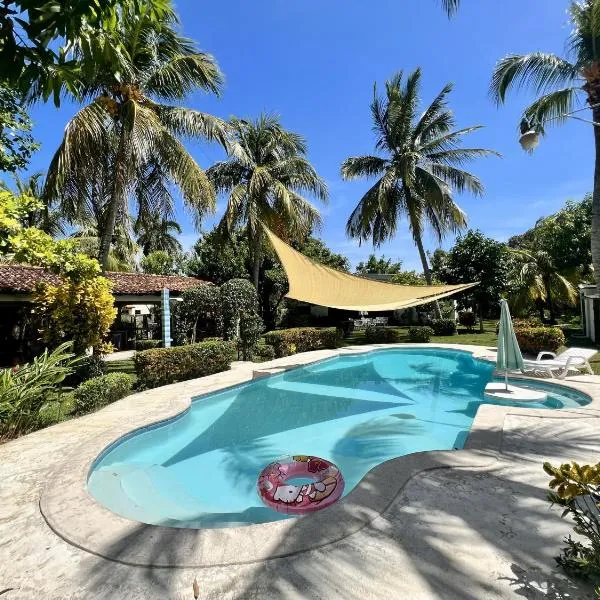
x=474 y=525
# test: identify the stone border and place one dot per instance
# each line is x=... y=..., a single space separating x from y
x=74 y=515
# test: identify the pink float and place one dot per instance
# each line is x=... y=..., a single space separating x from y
x=326 y=487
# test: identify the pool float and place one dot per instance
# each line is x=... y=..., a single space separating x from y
x=326 y=487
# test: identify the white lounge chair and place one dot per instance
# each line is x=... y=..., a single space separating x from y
x=571 y=358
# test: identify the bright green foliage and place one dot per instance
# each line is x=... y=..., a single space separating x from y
x=141 y=345
x=200 y=304
x=410 y=278
x=264 y=179
x=381 y=335
x=16 y=142
x=170 y=365
x=264 y=351
x=576 y=487
x=316 y=250
x=251 y=328
x=24 y=390
x=535 y=339
x=443 y=326
x=419 y=334
x=155 y=232
x=159 y=262
x=238 y=297
x=79 y=311
x=88 y=367
x=418 y=168
x=301 y=339
x=476 y=257
x=100 y=391
x=378 y=266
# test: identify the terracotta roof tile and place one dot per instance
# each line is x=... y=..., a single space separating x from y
x=22 y=279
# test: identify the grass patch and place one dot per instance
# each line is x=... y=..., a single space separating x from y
x=121 y=366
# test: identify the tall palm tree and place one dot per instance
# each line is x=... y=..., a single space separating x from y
x=538 y=282
x=155 y=232
x=47 y=218
x=264 y=180
x=450 y=6
x=563 y=85
x=124 y=137
x=416 y=172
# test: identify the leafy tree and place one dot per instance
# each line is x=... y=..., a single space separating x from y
x=251 y=329
x=125 y=141
x=238 y=297
x=409 y=278
x=475 y=257
x=157 y=233
x=218 y=258
x=379 y=266
x=159 y=263
x=565 y=236
x=199 y=304
x=316 y=250
x=538 y=282
x=264 y=179
x=417 y=175
x=123 y=251
x=438 y=262
x=36 y=34
x=16 y=142
x=563 y=84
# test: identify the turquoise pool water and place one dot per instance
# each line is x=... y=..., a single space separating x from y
x=200 y=469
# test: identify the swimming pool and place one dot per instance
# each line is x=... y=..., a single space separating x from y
x=200 y=469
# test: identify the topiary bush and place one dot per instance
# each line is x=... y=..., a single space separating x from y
x=535 y=339
x=381 y=335
x=100 y=391
x=265 y=352
x=467 y=319
x=251 y=328
x=443 y=326
x=420 y=334
x=170 y=365
x=141 y=345
x=301 y=339
x=237 y=296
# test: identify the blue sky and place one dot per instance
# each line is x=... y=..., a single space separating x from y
x=314 y=63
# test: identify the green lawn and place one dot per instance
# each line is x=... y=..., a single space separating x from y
x=121 y=366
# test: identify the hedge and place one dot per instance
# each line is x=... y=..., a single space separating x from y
x=467 y=319
x=100 y=391
x=141 y=345
x=301 y=339
x=381 y=335
x=443 y=326
x=535 y=339
x=170 y=365
x=420 y=334
x=265 y=352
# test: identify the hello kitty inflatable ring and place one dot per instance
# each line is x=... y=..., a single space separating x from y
x=277 y=490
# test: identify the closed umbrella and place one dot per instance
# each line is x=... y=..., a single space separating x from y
x=509 y=354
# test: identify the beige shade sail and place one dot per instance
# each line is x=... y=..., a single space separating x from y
x=312 y=282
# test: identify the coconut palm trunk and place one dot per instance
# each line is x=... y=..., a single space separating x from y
x=256 y=259
x=596 y=202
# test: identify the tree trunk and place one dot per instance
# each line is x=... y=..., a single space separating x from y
x=426 y=269
x=550 y=302
x=256 y=260
x=596 y=202
x=116 y=198
x=481 y=330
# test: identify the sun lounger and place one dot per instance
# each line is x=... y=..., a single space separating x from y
x=572 y=358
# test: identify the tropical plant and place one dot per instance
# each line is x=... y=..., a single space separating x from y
x=123 y=251
x=264 y=180
x=159 y=262
x=563 y=84
x=24 y=390
x=154 y=232
x=125 y=142
x=417 y=176
x=538 y=282
x=378 y=266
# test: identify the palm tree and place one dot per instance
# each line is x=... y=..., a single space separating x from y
x=417 y=174
x=124 y=138
x=562 y=85
x=539 y=283
x=47 y=218
x=155 y=232
x=450 y=6
x=264 y=180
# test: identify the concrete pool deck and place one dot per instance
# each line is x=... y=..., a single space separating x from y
x=470 y=524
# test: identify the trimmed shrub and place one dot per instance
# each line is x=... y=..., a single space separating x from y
x=141 y=345
x=467 y=319
x=87 y=368
x=420 y=334
x=265 y=352
x=535 y=339
x=381 y=335
x=100 y=391
x=251 y=328
x=170 y=365
x=301 y=339
x=443 y=326
x=523 y=323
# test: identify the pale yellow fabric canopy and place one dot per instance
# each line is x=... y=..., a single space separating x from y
x=317 y=284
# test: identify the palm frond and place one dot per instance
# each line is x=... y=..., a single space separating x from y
x=363 y=166
x=552 y=108
x=458 y=179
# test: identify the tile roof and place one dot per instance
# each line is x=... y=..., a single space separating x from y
x=22 y=279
